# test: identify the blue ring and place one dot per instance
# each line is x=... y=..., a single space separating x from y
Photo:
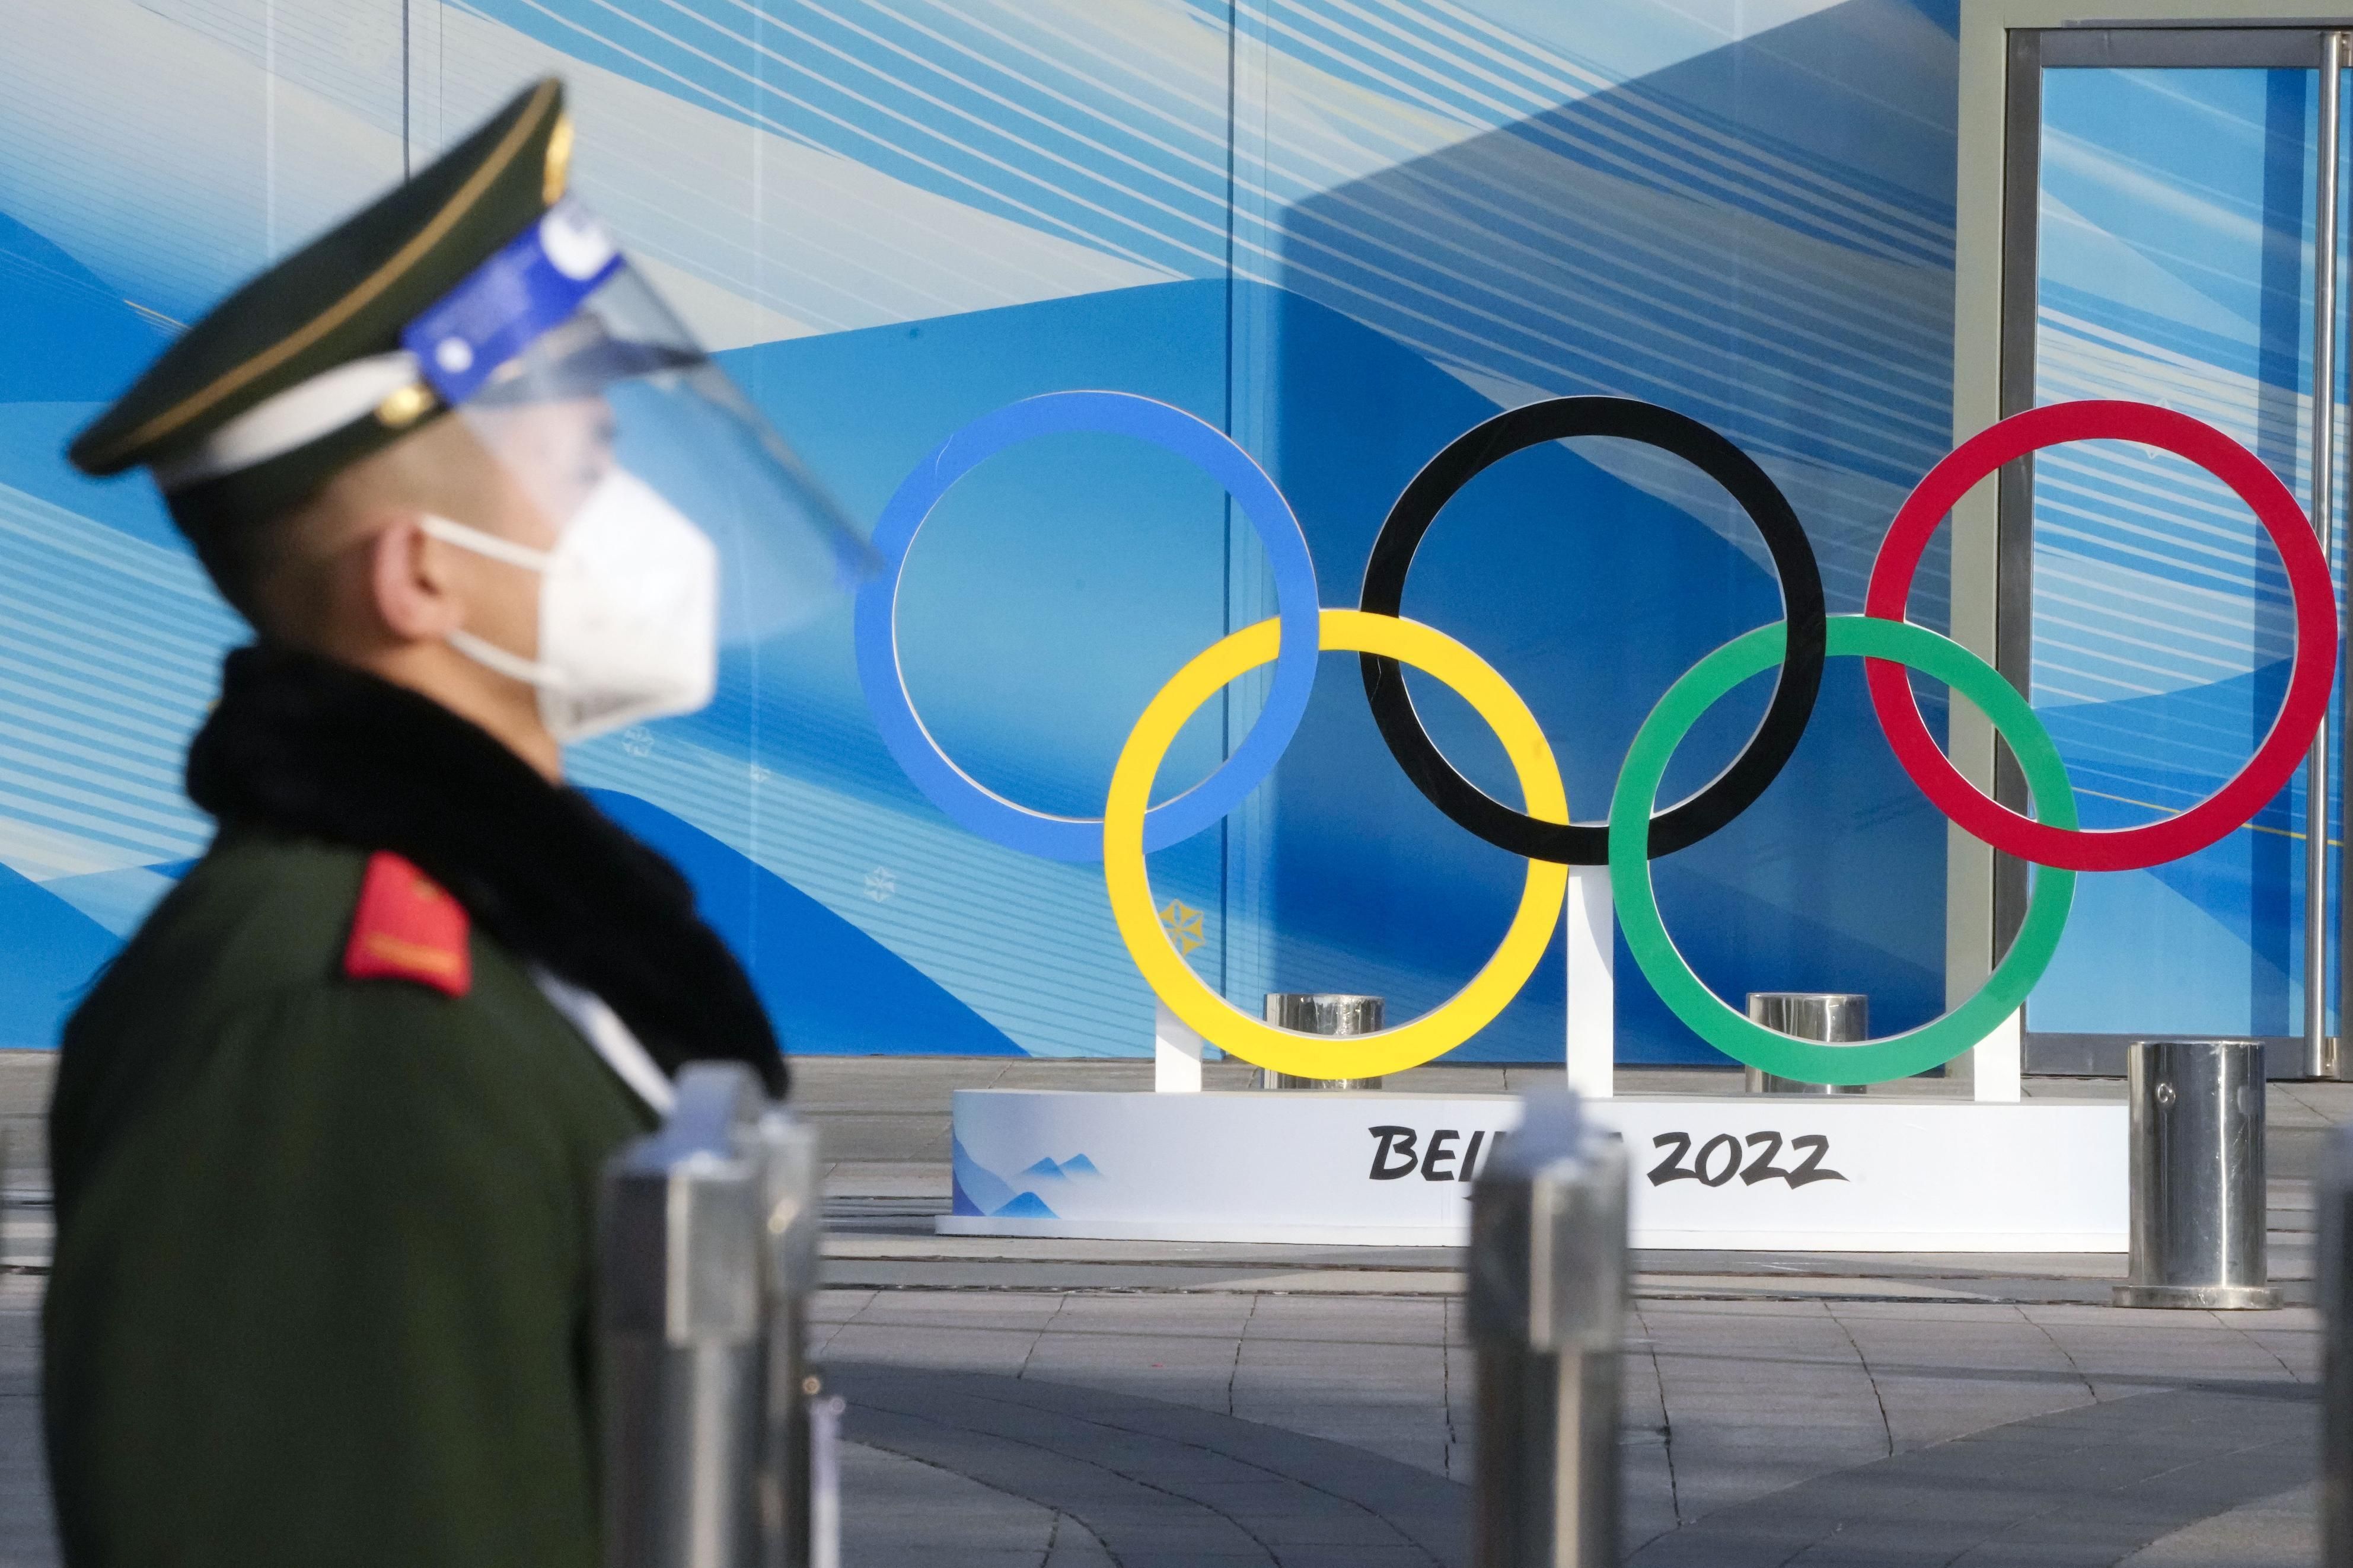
x=1172 y=429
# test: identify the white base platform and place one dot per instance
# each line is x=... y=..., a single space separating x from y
x=1771 y=1173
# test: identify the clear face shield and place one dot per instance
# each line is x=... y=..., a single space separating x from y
x=665 y=515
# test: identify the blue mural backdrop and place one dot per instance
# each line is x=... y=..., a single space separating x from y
x=1343 y=230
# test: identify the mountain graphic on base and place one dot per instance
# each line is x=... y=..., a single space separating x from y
x=1077 y=1167
x=1027 y=1206
x=981 y=1192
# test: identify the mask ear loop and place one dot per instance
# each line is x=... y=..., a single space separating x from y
x=489 y=655
x=489 y=545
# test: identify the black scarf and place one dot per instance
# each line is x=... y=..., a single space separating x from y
x=301 y=745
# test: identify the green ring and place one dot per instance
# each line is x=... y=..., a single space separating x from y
x=1875 y=1061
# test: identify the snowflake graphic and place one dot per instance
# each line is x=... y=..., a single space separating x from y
x=638 y=741
x=1184 y=923
x=881 y=885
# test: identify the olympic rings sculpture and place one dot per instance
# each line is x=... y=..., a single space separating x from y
x=1541 y=830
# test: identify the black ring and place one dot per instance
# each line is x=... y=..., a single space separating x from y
x=1727 y=795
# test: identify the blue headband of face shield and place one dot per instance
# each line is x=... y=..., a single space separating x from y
x=564 y=362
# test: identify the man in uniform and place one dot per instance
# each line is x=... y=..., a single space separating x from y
x=327 y=1134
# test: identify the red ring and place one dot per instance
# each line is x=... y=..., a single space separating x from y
x=2309 y=679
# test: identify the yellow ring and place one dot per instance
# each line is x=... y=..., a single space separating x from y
x=1433 y=1034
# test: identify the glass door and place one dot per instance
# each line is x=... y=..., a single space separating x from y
x=2166 y=229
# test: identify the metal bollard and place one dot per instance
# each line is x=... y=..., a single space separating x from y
x=2332 y=1205
x=1321 y=1012
x=708 y=1250
x=798 y=1498
x=1547 y=1314
x=2197 y=1198
x=1833 y=1017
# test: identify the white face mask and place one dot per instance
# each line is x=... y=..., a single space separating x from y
x=628 y=611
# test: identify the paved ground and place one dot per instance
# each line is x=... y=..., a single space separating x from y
x=1070 y=1403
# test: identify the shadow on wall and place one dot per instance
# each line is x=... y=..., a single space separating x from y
x=1759 y=237
x=829 y=988
x=54 y=952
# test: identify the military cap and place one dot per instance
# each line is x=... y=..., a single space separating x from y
x=300 y=372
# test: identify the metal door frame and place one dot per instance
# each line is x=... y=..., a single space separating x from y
x=2005 y=45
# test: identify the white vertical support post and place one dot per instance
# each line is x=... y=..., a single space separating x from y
x=1592 y=922
x=1996 y=1063
x=2320 y=1058
x=1175 y=1053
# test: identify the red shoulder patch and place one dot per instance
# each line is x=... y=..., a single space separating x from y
x=406 y=928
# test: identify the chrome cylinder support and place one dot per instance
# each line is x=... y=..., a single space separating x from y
x=2198 y=1193
x=1321 y=1012
x=1833 y=1017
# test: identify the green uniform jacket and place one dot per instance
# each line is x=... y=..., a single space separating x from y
x=322 y=1285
